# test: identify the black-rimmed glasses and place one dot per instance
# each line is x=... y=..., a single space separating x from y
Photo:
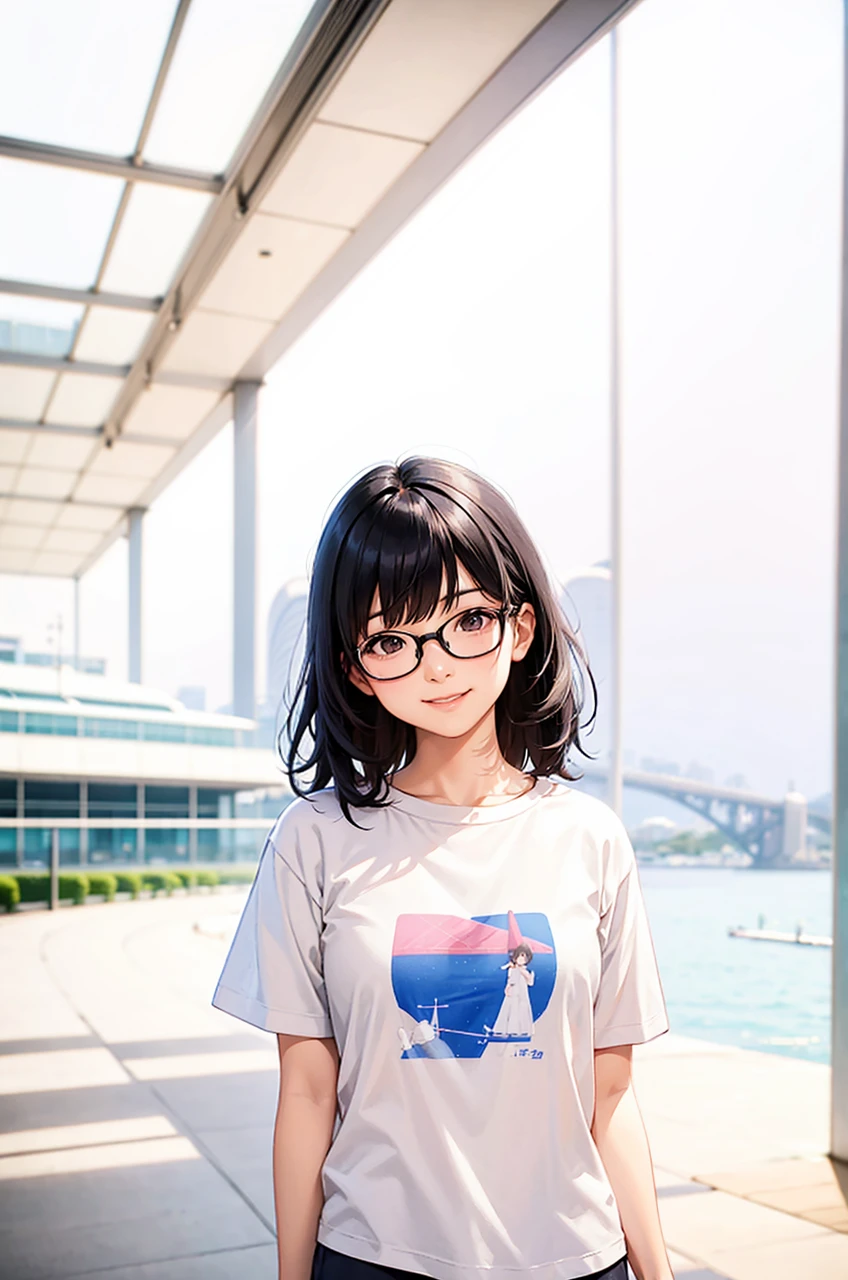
x=388 y=655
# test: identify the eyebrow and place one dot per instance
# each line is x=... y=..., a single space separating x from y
x=467 y=592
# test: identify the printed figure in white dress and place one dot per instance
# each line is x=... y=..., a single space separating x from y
x=516 y=1016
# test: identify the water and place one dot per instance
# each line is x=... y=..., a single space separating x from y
x=769 y=996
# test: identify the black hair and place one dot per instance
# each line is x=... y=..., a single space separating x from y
x=403 y=530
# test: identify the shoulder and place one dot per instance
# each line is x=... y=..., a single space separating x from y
x=303 y=834
x=305 y=815
x=593 y=816
x=598 y=827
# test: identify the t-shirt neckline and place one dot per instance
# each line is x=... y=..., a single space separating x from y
x=460 y=815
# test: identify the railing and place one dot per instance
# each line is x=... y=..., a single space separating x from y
x=190 y=852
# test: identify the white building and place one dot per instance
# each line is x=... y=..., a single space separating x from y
x=74 y=745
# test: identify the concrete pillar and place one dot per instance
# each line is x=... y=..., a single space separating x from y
x=192 y=831
x=83 y=813
x=839 y=953
x=136 y=516
x=246 y=400
x=139 y=813
x=76 y=624
x=20 y=834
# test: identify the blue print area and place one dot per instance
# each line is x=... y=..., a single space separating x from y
x=456 y=1000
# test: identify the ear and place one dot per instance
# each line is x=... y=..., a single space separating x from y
x=524 y=623
x=355 y=676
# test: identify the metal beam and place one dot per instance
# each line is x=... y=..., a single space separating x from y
x=47 y=428
x=167 y=377
x=63 y=365
x=87 y=297
x=246 y=402
x=161 y=76
x=67 y=502
x=122 y=167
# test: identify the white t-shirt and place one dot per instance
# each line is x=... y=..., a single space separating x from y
x=468 y=961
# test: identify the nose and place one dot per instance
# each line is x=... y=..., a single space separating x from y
x=435 y=663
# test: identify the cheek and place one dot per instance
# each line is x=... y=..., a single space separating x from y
x=397 y=697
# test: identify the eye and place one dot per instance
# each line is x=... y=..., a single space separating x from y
x=476 y=620
x=384 y=646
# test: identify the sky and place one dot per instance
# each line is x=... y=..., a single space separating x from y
x=481 y=333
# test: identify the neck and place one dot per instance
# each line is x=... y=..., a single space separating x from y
x=468 y=770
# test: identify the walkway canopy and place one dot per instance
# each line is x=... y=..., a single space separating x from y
x=185 y=192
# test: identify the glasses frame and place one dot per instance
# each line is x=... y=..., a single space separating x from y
x=505 y=611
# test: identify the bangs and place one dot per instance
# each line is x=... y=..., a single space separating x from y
x=408 y=548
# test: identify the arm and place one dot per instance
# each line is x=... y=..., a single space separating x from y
x=303 y=1129
x=619 y=1134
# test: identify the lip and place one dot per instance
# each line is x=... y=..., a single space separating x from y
x=452 y=701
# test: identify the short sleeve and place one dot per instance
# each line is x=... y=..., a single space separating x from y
x=273 y=974
x=629 y=1005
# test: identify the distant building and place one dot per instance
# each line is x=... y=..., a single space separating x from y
x=192 y=696
x=651 y=764
x=699 y=772
x=651 y=831
x=12 y=650
x=586 y=599
x=286 y=645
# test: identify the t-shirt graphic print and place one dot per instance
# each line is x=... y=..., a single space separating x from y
x=470 y=983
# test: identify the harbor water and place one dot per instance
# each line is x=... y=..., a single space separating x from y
x=769 y=996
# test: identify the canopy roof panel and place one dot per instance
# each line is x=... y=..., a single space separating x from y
x=188 y=200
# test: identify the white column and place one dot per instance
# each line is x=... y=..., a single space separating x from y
x=839 y=952
x=616 y=766
x=192 y=831
x=136 y=516
x=76 y=624
x=246 y=399
x=83 y=813
x=139 y=813
x=20 y=834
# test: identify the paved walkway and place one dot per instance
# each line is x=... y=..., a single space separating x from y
x=135 y=1119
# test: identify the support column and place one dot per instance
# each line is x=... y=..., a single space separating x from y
x=246 y=400
x=139 y=813
x=76 y=624
x=192 y=831
x=839 y=952
x=136 y=516
x=20 y=834
x=83 y=813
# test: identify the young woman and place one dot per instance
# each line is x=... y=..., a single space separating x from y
x=432 y=1118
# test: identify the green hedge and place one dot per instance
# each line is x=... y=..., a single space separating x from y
x=129 y=882
x=104 y=883
x=156 y=881
x=10 y=894
x=34 y=886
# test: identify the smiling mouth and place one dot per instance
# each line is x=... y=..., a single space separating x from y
x=449 y=701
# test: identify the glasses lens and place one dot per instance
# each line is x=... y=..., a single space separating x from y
x=473 y=632
x=388 y=655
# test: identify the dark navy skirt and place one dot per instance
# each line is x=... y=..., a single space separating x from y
x=327 y=1264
